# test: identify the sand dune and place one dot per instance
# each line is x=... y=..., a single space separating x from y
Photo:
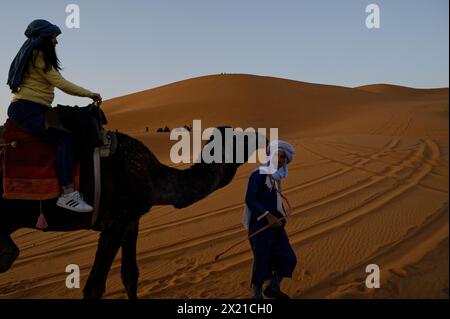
x=405 y=91
x=369 y=185
x=239 y=100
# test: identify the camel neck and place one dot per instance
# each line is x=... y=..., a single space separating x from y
x=181 y=188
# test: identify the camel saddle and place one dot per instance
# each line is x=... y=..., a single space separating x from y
x=29 y=171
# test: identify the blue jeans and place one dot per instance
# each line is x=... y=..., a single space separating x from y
x=30 y=117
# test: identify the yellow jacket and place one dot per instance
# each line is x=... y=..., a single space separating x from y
x=39 y=86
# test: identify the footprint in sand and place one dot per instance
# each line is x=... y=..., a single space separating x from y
x=181 y=260
x=302 y=274
x=399 y=272
x=161 y=284
x=16 y=286
x=178 y=280
x=207 y=294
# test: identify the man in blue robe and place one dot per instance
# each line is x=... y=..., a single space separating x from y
x=274 y=257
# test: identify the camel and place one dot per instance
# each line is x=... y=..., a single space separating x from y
x=133 y=180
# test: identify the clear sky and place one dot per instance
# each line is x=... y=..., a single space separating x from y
x=128 y=46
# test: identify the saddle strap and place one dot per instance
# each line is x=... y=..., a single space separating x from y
x=97 y=184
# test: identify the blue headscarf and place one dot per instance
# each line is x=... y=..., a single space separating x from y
x=37 y=31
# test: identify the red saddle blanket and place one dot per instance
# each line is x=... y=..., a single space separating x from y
x=29 y=171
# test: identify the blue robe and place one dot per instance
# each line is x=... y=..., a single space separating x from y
x=271 y=248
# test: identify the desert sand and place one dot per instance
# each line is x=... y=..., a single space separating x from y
x=368 y=185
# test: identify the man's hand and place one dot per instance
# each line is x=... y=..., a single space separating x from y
x=273 y=221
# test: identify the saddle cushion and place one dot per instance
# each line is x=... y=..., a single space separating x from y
x=29 y=170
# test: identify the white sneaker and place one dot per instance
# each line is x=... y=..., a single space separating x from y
x=74 y=202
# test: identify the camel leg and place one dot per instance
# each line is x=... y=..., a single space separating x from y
x=8 y=252
x=108 y=245
x=130 y=270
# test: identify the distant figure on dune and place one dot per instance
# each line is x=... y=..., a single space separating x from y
x=163 y=130
x=274 y=257
x=33 y=76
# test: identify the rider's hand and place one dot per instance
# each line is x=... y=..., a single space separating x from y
x=97 y=98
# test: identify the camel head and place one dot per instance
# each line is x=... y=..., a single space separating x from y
x=235 y=151
x=236 y=148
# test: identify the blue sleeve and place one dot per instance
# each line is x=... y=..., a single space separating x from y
x=251 y=197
